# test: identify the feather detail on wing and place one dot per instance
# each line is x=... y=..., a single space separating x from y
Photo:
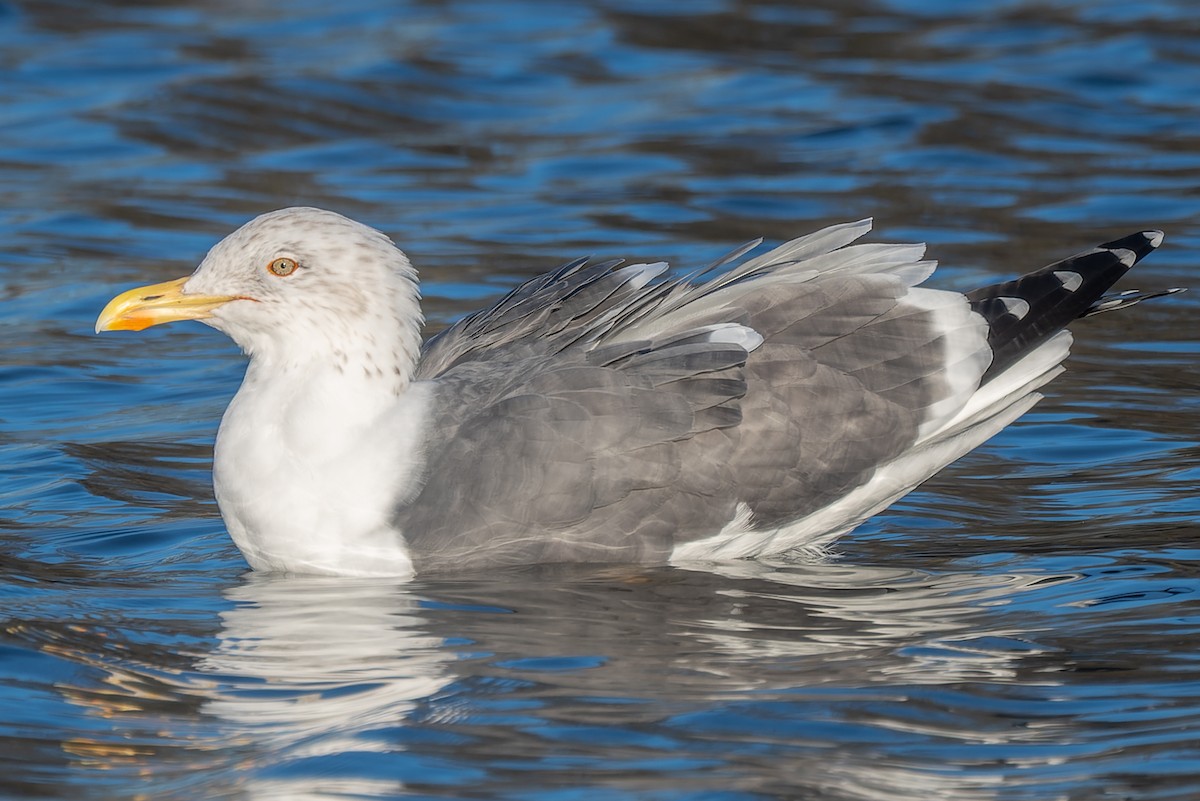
x=757 y=407
x=594 y=445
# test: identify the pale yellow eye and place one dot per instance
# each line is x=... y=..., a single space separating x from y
x=282 y=266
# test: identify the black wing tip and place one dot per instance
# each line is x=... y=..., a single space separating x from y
x=1026 y=311
x=1154 y=238
x=1136 y=246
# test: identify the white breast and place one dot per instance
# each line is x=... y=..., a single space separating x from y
x=307 y=471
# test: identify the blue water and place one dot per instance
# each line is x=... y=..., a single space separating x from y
x=1023 y=627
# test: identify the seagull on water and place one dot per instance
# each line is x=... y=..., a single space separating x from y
x=602 y=412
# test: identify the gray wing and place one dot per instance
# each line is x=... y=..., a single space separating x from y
x=854 y=371
x=579 y=457
x=592 y=415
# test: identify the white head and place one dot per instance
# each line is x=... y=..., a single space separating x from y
x=293 y=286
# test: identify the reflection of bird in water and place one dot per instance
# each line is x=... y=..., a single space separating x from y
x=301 y=668
x=856 y=683
x=495 y=694
x=600 y=413
x=310 y=667
x=307 y=641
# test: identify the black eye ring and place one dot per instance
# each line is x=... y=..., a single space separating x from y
x=282 y=266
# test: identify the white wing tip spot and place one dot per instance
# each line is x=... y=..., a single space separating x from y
x=1125 y=256
x=1070 y=279
x=1015 y=306
x=1155 y=238
x=736 y=334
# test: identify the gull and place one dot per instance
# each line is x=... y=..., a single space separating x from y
x=602 y=412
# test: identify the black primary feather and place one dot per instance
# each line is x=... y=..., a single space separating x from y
x=1025 y=312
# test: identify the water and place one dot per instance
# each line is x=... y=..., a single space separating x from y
x=1023 y=627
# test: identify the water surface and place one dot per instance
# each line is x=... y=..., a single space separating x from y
x=1022 y=627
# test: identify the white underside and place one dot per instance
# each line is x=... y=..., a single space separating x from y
x=307 y=478
x=991 y=408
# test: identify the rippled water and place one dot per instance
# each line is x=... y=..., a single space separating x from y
x=1023 y=627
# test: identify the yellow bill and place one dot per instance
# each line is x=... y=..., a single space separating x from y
x=158 y=303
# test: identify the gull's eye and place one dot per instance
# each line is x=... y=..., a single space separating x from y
x=282 y=266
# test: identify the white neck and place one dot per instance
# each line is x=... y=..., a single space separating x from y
x=380 y=346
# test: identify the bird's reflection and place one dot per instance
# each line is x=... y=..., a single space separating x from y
x=308 y=663
x=309 y=667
